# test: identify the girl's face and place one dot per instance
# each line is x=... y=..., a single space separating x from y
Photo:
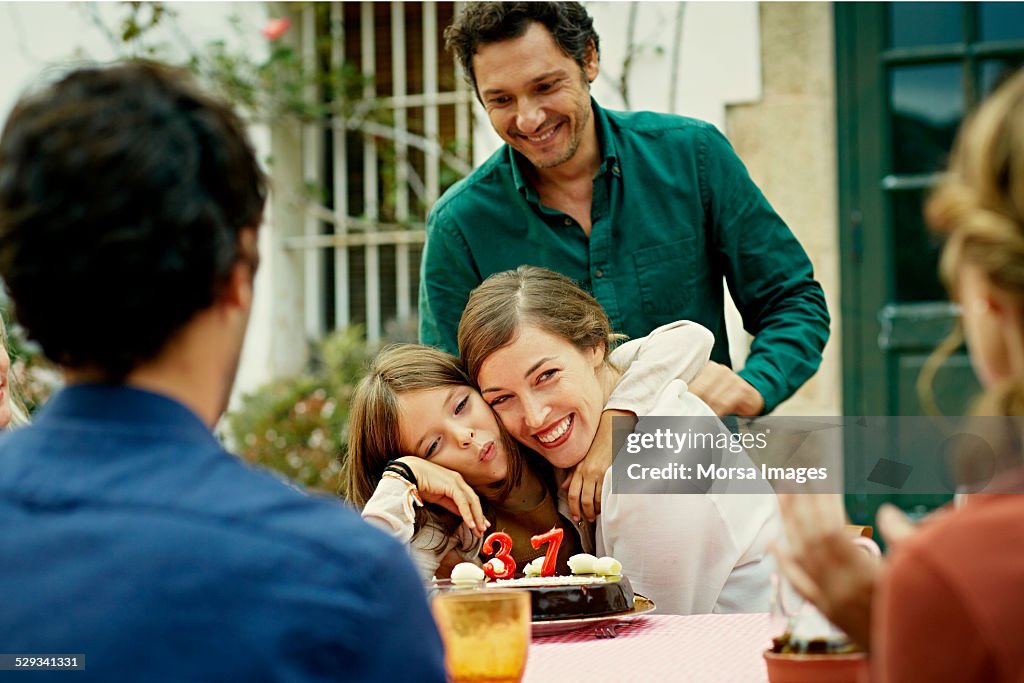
x=548 y=393
x=5 y=399
x=454 y=428
x=989 y=326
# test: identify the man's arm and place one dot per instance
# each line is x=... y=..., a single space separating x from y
x=447 y=275
x=726 y=392
x=388 y=633
x=768 y=273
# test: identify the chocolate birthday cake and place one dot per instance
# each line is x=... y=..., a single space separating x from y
x=596 y=587
x=563 y=597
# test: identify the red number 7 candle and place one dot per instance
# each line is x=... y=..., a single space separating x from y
x=554 y=539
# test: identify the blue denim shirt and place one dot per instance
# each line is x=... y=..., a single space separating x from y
x=131 y=536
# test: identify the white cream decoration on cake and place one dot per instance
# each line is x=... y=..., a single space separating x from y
x=539 y=581
x=585 y=563
x=534 y=568
x=497 y=565
x=608 y=566
x=582 y=563
x=467 y=572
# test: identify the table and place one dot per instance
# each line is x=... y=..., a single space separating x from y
x=701 y=648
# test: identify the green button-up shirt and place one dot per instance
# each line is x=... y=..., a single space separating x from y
x=674 y=211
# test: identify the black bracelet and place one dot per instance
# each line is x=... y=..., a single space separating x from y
x=400 y=468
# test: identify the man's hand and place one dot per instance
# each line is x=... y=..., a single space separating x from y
x=441 y=486
x=726 y=392
x=586 y=480
x=824 y=565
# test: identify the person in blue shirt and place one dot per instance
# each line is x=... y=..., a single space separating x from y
x=133 y=544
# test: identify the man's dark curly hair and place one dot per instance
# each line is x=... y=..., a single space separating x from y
x=483 y=23
x=122 y=193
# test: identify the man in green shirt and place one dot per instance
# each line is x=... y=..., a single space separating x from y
x=646 y=211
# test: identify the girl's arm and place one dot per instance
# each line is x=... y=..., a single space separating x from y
x=393 y=509
x=393 y=504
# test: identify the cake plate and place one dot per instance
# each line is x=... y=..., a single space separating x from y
x=550 y=627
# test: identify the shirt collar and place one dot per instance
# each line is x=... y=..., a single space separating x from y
x=112 y=403
x=605 y=143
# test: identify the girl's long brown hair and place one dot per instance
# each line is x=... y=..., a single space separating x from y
x=375 y=418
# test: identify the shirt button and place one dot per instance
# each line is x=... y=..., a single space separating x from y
x=615 y=170
x=568 y=221
x=598 y=273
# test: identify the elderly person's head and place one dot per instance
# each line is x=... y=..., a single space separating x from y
x=12 y=410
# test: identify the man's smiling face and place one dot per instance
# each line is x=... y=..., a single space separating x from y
x=538 y=98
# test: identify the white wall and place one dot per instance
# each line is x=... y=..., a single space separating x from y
x=45 y=37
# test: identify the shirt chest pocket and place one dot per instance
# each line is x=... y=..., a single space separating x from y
x=667 y=275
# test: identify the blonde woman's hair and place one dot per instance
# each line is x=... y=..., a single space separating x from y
x=375 y=423
x=980 y=203
x=19 y=414
x=536 y=296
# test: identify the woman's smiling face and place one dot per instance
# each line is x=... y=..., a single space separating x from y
x=547 y=393
x=453 y=427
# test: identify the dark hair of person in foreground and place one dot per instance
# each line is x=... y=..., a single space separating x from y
x=151 y=177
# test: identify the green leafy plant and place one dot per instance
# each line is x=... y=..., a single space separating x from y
x=299 y=426
x=271 y=81
x=35 y=377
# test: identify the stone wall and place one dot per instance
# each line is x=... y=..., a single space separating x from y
x=788 y=141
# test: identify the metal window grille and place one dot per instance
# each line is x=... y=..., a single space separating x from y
x=374 y=171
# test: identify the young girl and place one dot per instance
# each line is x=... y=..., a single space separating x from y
x=418 y=401
x=949 y=605
x=539 y=348
x=425 y=450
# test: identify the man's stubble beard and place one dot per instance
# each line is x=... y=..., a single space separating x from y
x=583 y=113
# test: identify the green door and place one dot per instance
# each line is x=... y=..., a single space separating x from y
x=907 y=73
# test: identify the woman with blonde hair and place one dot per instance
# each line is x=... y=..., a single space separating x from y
x=949 y=605
x=540 y=349
x=429 y=462
x=12 y=409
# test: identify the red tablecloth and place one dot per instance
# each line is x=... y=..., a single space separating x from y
x=712 y=648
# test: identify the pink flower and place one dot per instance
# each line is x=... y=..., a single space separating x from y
x=275 y=28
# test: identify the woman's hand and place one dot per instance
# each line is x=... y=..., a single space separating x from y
x=824 y=565
x=896 y=527
x=442 y=486
x=586 y=480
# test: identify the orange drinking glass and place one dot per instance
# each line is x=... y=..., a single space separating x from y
x=486 y=634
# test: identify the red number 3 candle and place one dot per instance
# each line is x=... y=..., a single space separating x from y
x=507 y=564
